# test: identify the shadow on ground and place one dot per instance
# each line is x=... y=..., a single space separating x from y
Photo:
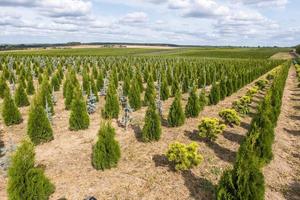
x=233 y=137
x=292 y=132
x=199 y=188
x=293 y=191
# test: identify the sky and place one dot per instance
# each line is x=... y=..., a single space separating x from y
x=185 y=22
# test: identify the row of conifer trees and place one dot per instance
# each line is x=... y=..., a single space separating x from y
x=245 y=180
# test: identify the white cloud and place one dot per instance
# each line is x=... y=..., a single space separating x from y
x=264 y=3
x=134 y=18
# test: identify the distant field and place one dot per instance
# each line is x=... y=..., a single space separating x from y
x=258 y=53
x=86 y=51
x=255 y=53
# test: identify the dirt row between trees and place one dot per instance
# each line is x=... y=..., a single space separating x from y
x=143 y=172
x=282 y=175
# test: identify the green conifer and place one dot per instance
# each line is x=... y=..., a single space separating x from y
x=150 y=91
x=106 y=152
x=111 y=107
x=176 y=115
x=3 y=86
x=79 y=118
x=39 y=128
x=192 y=107
x=21 y=98
x=134 y=96
x=152 y=127
x=10 y=113
x=214 y=96
x=30 y=86
x=24 y=180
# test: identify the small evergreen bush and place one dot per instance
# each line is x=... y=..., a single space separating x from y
x=210 y=127
x=230 y=117
x=184 y=156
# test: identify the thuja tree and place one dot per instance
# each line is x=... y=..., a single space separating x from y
x=55 y=82
x=184 y=157
x=44 y=94
x=106 y=152
x=150 y=91
x=192 y=107
x=24 y=180
x=214 y=96
x=202 y=99
x=223 y=89
x=38 y=127
x=3 y=86
x=176 y=115
x=10 y=113
x=100 y=80
x=245 y=180
x=126 y=85
x=79 y=117
x=164 y=90
x=21 y=98
x=134 y=96
x=30 y=86
x=152 y=127
x=111 y=108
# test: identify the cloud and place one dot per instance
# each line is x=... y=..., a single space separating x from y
x=53 y=8
x=22 y=3
x=263 y=3
x=134 y=18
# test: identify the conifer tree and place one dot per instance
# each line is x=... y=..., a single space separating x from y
x=150 y=91
x=39 y=128
x=126 y=85
x=30 y=87
x=176 y=115
x=175 y=88
x=3 y=86
x=202 y=99
x=164 y=90
x=45 y=94
x=223 y=89
x=24 y=180
x=10 y=113
x=214 y=96
x=94 y=89
x=55 y=82
x=111 y=108
x=100 y=80
x=229 y=87
x=139 y=80
x=79 y=118
x=106 y=152
x=152 y=127
x=21 y=98
x=86 y=83
x=134 y=96
x=192 y=107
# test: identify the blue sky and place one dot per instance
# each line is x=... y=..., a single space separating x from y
x=194 y=22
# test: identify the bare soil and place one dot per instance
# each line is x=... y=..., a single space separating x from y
x=282 y=55
x=143 y=171
x=282 y=175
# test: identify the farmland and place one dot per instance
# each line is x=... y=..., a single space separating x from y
x=129 y=123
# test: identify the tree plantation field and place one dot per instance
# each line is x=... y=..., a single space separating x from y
x=226 y=52
x=123 y=123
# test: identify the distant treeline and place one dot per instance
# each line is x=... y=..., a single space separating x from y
x=4 y=47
